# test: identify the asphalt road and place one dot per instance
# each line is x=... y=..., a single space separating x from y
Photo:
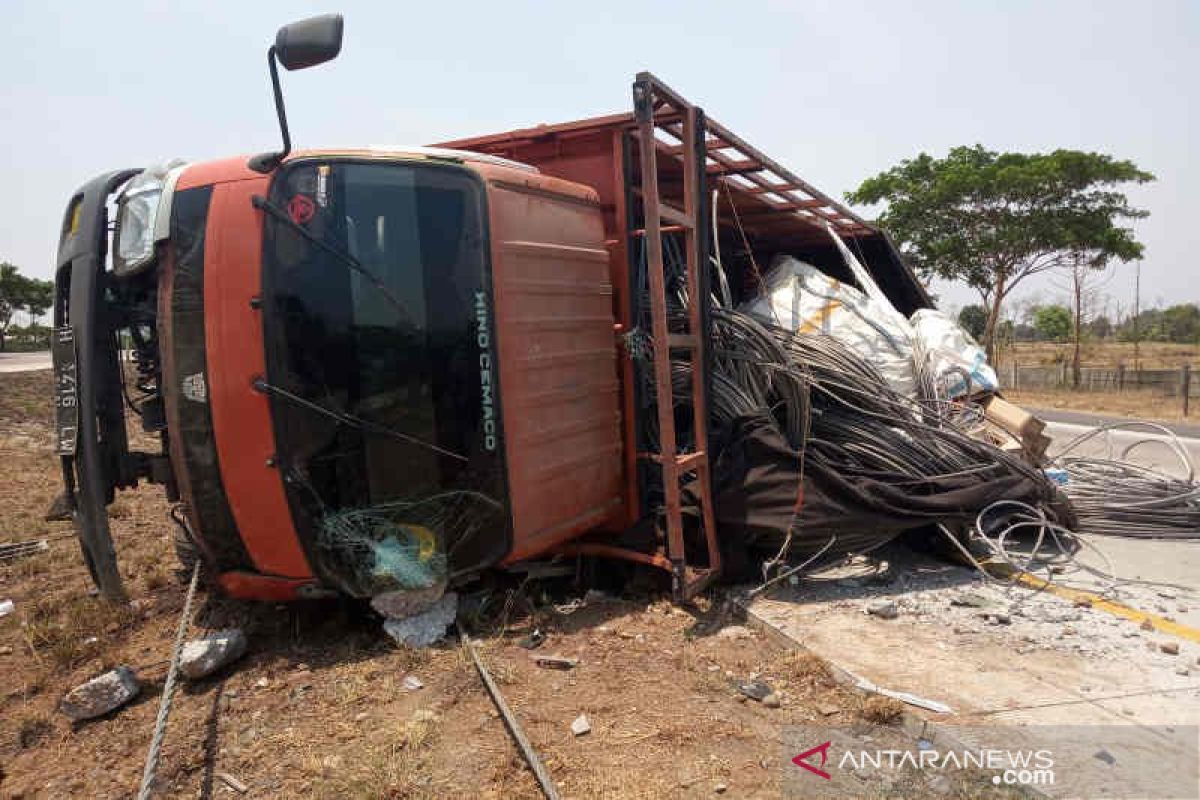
x=1090 y=420
x=24 y=362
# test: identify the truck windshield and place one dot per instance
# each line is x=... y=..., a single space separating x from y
x=388 y=438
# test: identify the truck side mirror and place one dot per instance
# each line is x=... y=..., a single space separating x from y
x=302 y=44
x=309 y=42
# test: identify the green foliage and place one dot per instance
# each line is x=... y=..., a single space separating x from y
x=1052 y=322
x=19 y=292
x=1179 y=324
x=973 y=320
x=992 y=219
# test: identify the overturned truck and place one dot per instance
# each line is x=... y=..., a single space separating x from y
x=388 y=369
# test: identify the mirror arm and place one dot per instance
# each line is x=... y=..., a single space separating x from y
x=267 y=162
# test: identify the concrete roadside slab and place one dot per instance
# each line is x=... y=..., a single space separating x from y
x=1007 y=657
x=25 y=362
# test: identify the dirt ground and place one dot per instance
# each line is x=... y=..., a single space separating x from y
x=318 y=707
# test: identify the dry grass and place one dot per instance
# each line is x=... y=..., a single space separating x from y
x=1137 y=404
x=881 y=710
x=68 y=629
x=1151 y=355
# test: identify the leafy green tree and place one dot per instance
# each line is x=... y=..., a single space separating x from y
x=12 y=296
x=993 y=219
x=19 y=292
x=39 y=297
x=1052 y=322
x=973 y=320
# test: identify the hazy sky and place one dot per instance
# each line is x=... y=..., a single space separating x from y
x=836 y=90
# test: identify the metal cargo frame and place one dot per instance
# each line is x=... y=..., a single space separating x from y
x=655 y=170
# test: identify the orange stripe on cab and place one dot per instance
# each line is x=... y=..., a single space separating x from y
x=241 y=416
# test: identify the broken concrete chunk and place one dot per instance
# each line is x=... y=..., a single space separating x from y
x=735 y=632
x=412 y=683
x=971 y=600
x=204 y=656
x=754 y=689
x=422 y=630
x=884 y=609
x=102 y=694
x=581 y=725
x=407 y=602
x=6 y=607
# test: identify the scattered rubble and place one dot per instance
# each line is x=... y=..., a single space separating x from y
x=534 y=640
x=427 y=627
x=884 y=609
x=555 y=662
x=407 y=602
x=204 y=656
x=754 y=689
x=232 y=782
x=581 y=725
x=102 y=694
x=735 y=632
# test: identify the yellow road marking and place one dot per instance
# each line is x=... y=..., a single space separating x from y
x=1096 y=601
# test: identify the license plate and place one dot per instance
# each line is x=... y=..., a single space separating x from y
x=66 y=390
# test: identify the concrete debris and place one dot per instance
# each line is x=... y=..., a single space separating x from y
x=735 y=632
x=754 y=689
x=407 y=602
x=232 y=782
x=102 y=694
x=971 y=600
x=427 y=627
x=6 y=607
x=554 y=662
x=720 y=788
x=884 y=609
x=204 y=656
x=533 y=640
x=411 y=683
x=828 y=709
x=1170 y=648
x=581 y=725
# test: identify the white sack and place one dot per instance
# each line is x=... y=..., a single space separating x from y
x=949 y=352
x=800 y=297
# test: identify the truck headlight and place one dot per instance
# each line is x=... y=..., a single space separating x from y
x=138 y=209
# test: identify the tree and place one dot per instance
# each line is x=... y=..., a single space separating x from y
x=19 y=292
x=993 y=219
x=1084 y=286
x=1052 y=322
x=39 y=297
x=973 y=319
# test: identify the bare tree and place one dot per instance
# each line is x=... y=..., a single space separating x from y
x=1084 y=282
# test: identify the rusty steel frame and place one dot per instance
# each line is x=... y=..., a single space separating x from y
x=652 y=100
